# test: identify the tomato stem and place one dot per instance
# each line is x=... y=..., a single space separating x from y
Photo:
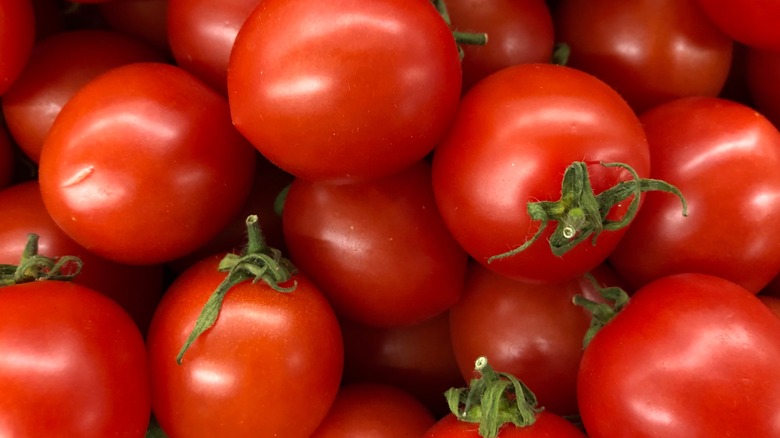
x=492 y=400
x=471 y=38
x=33 y=266
x=601 y=313
x=257 y=262
x=581 y=214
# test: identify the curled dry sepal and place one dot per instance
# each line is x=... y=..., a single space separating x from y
x=601 y=313
x=493 y=399
x=34 y=267
x=581 y=214
x=257 y=262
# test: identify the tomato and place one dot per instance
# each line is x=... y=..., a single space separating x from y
x=17 y=37
x=724 y=157
x=269 y=366
x=379 y=411
x=142 y=19
x=136 y=288
x=143 y=165
x=58 y=67
x=518 y=32
x=344 y=89
x=202 y=33
x=689 y=355
x=650 y=51
x=773 y=303
x=542 y=347
x=417 y=358
x=7 y=159
x=763 y=67
x=751 y=23
x=547 y=425
x=515 y=134
x=73 y=364
x=378 y=249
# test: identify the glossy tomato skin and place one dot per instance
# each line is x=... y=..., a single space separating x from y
x=547 y=425
x=17 y=37
x=650 y=51
x=202 y=33
x=378 y=249
x=270 y=366
x=515 y=134
x=366 y=90
x=58 y=67
x=143 y=166
x=518 y=32
x=690 y=355
x=74 y=364
x=723 y=156
x=751 y=23
x=379 y=411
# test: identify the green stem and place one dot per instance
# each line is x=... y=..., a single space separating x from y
x=34 y=267
x=493 y=399
x=580 y=214
x=258 y=262
x=470 y=38
x=601 y=313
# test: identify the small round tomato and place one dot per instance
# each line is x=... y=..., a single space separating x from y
x=143 y=165
x=344 y=89
x=752 y=23
x=17 y=37
x=73 y=364
x=650 y=51
x=379 y=411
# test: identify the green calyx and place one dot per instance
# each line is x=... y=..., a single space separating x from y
x=601 y=313
x=580 y=214
x=471 y=38
x=257 y=262
x=35 y=267
x=493 y=399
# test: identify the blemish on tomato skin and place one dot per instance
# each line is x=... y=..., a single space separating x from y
x=79 y=176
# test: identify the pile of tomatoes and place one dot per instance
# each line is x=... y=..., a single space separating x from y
x=343 y=218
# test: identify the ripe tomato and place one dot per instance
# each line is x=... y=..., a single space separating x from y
x=547 y=425
x=515 y=134
x=650 y=51
x=17 y=37
x=201 y=34
x=73 y=364
x=143 y=165
x=269 y=366
x=752 y=23
x=690 y=355
x=763 y=68
x=379 y=411
x=724 y=157
x=344 y=89
x=58 y=67
x=518 y=32
x=378 y=249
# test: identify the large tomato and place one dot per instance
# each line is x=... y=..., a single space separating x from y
x=17 y=37
x=752 y=23
x=344 y=89
x=143 y=165
x=690 y=355
x=516 y=133
x=650 y=51
x=724 y=157
x=58 y=67
x=73 y=364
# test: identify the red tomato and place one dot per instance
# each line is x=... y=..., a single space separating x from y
x=518 y=32
x=7 y=159
x=753 y=23
x=515 y=134
x=379 y=411
x=650 y=51
x=724 y=157
x=378 y=249
x=547 y=425
x=17 y=36
x=202 y=33
x=58 y=67
x=270 y=366
x=143 y=19
x=73 y=364
x=344 y=89
x=763 y=69
x=136 y=288
x=143 y=165
x=417 y=358
x=690 y=355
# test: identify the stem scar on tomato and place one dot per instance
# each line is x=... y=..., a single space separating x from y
x=257 y=262
x=35 y=267
x=580 y=213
